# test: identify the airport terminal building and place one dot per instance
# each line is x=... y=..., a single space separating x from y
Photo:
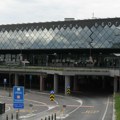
x=72 y=44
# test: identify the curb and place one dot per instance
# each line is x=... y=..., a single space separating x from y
x=114 y=117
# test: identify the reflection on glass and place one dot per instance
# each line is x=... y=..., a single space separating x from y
x=34 y=38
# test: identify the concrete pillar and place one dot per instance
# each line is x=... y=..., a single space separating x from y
x=16 y=80
x=115 y=84
x=75 y=83
x=55 y=83
x=41 y=83
x=67 y=82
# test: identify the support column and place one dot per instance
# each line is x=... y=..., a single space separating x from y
x=75 y=83
x=16 y=80
x=55 y=83
x=67 y=82
x=115 y=84
x=41 y=83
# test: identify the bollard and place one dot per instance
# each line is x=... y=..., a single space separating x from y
x=12 y=116
x=45 y=118
x=17 y=117
x=6 y=117
x=48 y=117
x=55 y=116
x=41 y=119
x=52 y=117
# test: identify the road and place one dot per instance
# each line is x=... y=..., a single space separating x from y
x=80 y=107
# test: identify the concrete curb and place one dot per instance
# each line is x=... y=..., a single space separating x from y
x=114 y=116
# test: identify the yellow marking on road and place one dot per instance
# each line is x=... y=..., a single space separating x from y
x=90 y=112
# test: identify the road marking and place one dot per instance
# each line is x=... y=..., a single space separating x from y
x=105 y=109
x=66 y=115
x=8 y=109
x=28 y=115
x=81 y=106
x=90 y=112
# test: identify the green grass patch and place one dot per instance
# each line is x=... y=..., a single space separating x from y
x=117 y=106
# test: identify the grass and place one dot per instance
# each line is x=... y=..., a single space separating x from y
x=117 y=106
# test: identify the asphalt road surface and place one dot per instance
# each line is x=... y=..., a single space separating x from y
x=82 y=106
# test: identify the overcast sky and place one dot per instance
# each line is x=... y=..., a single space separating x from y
x=27 y=11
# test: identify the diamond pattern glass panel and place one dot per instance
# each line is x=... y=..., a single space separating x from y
x=59 y=38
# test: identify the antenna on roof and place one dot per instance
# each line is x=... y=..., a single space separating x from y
x=93 y=15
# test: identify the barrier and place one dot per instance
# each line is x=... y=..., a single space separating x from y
x=2 y=108
x=13 y=116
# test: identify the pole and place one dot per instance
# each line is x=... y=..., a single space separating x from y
x=30 y=84
x=30 y=81
x=9 y=82
x=47 y=60
x=24 y=83
x=17 y=115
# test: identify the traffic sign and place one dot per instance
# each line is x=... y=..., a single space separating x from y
x=52 y=96
x=18 y=97
x=52 y=92
x=68 y=89
x=68 y=86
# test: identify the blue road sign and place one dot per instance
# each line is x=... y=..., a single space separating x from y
x=18 y=97
x=68 y=86
x=52 y=92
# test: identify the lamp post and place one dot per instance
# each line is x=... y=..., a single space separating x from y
x=90 y=43
x=24 y=67
x=30 y=81
x=21 y=44
x=90 y=57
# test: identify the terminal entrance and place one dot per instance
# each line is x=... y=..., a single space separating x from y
x=78 y=83
x=94 y=84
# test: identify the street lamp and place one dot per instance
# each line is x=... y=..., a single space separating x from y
x=24 y=65
x=21 y=43
x=90 y=57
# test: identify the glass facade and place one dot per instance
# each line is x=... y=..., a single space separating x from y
x=80 y=34
x=101 y=37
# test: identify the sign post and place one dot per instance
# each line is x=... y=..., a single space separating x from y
x=5 y=82
x=18 y=98
x=30 y=81
x=52 y=96
x=68 y=89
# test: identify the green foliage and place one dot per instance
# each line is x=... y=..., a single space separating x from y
x=117 y=106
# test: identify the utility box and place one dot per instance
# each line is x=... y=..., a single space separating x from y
x=2 y=108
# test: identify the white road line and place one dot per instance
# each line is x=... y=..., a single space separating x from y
x=36 y=101
x=63 y=117
x=105 y=109
x=80 y=101
x=8 y=109
x=49 y=107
